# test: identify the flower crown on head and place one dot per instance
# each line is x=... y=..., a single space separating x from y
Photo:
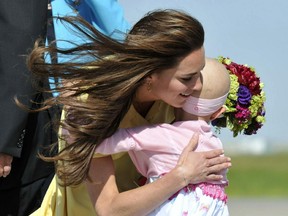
x=245 y=102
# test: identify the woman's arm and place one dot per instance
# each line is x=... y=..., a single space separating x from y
x=193 y=167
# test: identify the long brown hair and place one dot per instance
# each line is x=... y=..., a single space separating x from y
x=109 y=72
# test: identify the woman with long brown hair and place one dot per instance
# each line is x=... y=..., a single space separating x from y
x=122 y=84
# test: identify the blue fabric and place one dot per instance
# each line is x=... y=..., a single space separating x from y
x=107 y=16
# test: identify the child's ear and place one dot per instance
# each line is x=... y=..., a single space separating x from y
x=218 y=113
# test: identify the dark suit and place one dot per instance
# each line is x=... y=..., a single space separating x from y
x=22 y=134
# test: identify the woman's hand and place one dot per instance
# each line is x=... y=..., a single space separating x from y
x=5 y=164
x=201 y=166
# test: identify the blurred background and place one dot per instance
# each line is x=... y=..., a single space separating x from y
x=254 y=33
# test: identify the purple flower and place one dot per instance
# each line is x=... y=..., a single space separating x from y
x=244 y=95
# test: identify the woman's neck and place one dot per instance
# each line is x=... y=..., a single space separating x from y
x=143 y=107
x=142 y=101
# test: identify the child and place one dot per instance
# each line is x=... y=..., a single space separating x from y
x=155 y=150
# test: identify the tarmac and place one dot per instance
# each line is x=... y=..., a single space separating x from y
x=258 y=206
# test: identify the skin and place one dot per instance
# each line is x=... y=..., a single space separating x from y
x=140 y=201
x=5 y=164
x=175 y=85
x=172 y=86
x=213 y=70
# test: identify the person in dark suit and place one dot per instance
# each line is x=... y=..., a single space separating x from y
x=24 y=177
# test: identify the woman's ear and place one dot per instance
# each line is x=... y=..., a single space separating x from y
x=148 y=83
x=218 y=113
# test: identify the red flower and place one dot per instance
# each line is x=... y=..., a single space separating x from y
x=242 y=112
x=246 y=77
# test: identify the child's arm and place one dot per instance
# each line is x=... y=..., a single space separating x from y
x=120 y=141
x=154 y=137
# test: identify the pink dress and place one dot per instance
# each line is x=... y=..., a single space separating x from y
x=155 y=150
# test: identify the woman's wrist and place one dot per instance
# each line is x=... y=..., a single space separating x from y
x=180 y=176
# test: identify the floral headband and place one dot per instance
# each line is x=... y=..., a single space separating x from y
x=245 y=102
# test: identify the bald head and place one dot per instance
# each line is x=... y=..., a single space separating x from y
x=216 y=84
x=215 y=79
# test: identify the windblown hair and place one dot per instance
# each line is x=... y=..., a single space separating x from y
x=110 y=72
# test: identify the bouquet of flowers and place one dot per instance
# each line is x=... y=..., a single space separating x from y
x=245 y=110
